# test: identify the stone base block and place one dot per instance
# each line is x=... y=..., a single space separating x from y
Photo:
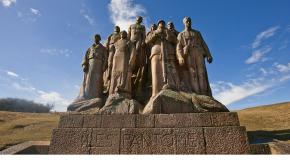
x=192 y=133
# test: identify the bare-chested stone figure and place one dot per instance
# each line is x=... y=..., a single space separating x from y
x=164 y=74
x=137 y=34
x=191 y=52
x=112 y=39
x=123 y=61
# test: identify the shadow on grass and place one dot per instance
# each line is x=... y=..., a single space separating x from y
x=268 y=136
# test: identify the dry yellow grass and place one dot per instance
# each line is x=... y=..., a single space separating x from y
x=267 y=118
x=20 y=127
x=268 y=124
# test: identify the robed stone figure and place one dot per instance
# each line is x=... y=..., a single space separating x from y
x=122 y=61
x=112 y=39
x=164 y=73
x=91 y=92
x=94 y=64
x=191 y=52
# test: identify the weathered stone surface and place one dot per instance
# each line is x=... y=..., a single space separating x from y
x=117 y=104
x=182 y=120
x=226 y=140
x=172 y=120
x=224 y=119
x=92 y=121
x=169 y=102
x=204 y=103
x=162 y=141
x=71 y=121
x=118 y=121
x=145 y=121
x=147 y=141
x=150 y=121
x=70 y=141
x=105 y=141
x=84 y=105
x=183 y=133
x=190 y=141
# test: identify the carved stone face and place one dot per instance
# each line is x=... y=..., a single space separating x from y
x=97 y=38
x=187 y=23
x=170 y=25
x=153 y=27
x=117 y=29
x=161 y=25
x=123 y=34
x=139 y=19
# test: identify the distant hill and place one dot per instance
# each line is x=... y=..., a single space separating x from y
x=22 y=105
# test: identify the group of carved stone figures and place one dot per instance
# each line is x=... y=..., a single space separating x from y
x=138 y=66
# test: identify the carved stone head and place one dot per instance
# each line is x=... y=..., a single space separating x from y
x=97 y=38
x=170 y=25
x=139 y=19
x=187 y=22
x=117 y=29
x=161 y=24
x=124 y=35
x=153 y=27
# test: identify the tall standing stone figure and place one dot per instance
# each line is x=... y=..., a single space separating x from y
x=137 y=34
x=94 y=64
x=123 y=61
x=191 y=52
x=112 y=39
x=164 y=72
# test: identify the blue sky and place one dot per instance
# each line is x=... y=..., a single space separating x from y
x=42 y=44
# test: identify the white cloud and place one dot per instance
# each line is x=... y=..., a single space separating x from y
x=89 y=19
x=7 y=3
x=124 y=12
x=282 y=67
x=23 y=87
x=13 y=74
x=258 y=54
x=85 y=13
x=228 y=93
x=53 y=98
x=53 y=51
x=284 y=78
x=35 y=11
x=264 y=35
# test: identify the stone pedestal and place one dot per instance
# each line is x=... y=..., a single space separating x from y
x=188 y=133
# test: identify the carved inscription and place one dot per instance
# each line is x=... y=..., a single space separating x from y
x=105 y=141
x=163 y=141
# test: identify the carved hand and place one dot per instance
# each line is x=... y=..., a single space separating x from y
x=181 y=61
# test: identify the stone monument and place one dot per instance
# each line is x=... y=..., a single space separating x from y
x=113 y=113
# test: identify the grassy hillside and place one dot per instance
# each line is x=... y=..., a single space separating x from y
x=16 y=127
x=264 y=124
x=269 y=117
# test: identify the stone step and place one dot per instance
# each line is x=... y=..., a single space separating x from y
x=149 y=121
